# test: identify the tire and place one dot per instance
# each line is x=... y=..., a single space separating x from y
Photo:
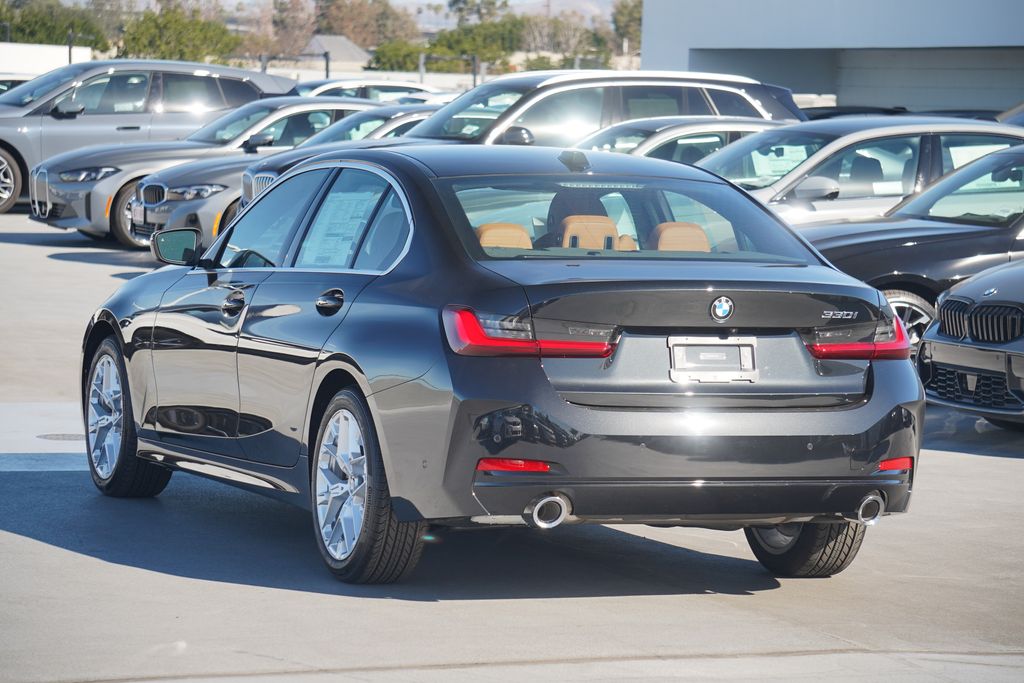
x=121 y=223
x=381 y=549
x=916 y=312
x=811 y=550
x=1006 y=424
x=115 y=467
x=10 y=181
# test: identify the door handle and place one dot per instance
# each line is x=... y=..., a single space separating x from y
x=233 y=304
x=330 y=302
x=129 y=128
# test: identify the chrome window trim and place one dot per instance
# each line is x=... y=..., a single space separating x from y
x=297 y=239
x=508 y=117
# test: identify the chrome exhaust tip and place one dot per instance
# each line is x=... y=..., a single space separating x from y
x=547 y=512
x=870 y=510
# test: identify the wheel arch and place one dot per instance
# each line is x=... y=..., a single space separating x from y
x=331 y=379
x=22 y=165
x=928 y=290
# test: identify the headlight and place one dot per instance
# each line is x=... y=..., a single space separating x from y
x=189 y=192
x=88 y=175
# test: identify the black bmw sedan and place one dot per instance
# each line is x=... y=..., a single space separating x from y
x=455 y=336
x=969 y=220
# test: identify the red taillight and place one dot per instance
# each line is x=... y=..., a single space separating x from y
x=896 y=348
x=468 y=337
x=896 y=464
x=512 y=465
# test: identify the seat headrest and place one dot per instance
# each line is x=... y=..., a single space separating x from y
x=679 y=236
x=589 y=232
x=626 y=243
x=866 y=170
x=507 y=235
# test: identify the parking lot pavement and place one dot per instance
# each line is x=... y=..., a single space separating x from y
x=207 y=582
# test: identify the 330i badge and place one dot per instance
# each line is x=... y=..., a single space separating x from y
x=449 y=336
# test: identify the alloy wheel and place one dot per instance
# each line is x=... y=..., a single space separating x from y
x=779 y=538
x=6 y=180
x=915 y=319
x=341 y=484
x=105 y=416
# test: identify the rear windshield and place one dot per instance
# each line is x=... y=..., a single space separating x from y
x=609 y=217
x=759 y=160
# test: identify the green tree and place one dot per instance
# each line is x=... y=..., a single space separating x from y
x=481 y=10
x=490 y=41
x=396 y=55
x=48 y=22
x=627 y=16
x=176 y=34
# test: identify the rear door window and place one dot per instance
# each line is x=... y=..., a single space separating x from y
x=958 y=150
x=729 y=103
x=643 y=101
x=236 y=92
x=341 y=221
x=185 y=93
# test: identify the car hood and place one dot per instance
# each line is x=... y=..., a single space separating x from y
x=863 y=236
x=118 y=155
x=1007 y=279
x=225 y=170
x=279 y=163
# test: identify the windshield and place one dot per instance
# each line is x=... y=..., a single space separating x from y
x=41 y=86
x=759 y=160
x=610 y=217
x=230 y=126
x=352 y=127
x=989 y=191
x=470 y=116
x=623 y=138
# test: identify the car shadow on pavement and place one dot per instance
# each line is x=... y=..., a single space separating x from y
x=205 y=530
x=946 y=429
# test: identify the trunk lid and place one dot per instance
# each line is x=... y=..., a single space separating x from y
x=671 y=352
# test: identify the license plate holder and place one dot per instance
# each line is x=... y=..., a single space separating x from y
x=715 y=360
x=138 y=214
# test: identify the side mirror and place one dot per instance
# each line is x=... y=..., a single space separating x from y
x=179 y=247
x=256 y=141
x=816 y=187
x=67 y=109
x=517 y=135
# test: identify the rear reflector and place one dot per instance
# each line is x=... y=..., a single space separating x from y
x=896 y=464
x=474 y=334
x=512 y=465
x=893 y=345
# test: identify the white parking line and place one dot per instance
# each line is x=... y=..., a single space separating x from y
x=43 y=462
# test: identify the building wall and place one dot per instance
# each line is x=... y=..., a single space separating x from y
x=35 y=59
x=916 y=53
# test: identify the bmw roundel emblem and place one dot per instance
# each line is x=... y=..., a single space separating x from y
x=721 y=309
x=990 y=292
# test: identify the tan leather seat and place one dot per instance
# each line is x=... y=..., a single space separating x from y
x=507 y=235
x=626 y=243
x=589 y=232
x=679 y=236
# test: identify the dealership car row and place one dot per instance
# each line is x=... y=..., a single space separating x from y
x=362 y=190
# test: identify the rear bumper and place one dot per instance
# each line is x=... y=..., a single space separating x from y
x=710 y=467
x=695 y=502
